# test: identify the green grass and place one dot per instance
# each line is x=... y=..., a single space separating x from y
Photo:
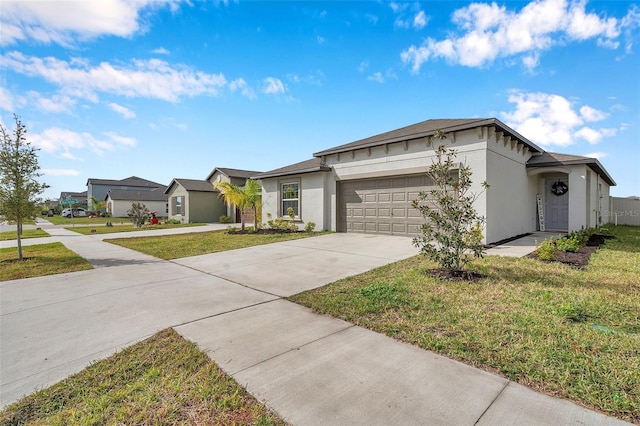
x=41 y=259
x=164 y=380
x=184 y=245
x=103 y=229
x=26 y=233
x=59 y=220
x=567 y=332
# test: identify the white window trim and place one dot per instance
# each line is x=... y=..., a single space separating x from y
x=282 y=213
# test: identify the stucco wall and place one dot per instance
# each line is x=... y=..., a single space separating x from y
x=119 y=208
x=178 y=191
x=313 y=200
x=511 y=197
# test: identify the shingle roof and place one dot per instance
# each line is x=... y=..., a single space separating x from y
x=308 y=166
x=427 y=128
x=130 y=181
x=233 y=173
x=138 y=195
x=196 y=185
x=551 y=159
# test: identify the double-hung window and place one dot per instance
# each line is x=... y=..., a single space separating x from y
x=290 y=197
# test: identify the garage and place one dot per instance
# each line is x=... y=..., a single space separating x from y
x=381 y=205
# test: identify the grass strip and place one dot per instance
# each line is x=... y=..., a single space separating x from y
x=39 y=260
x=60 y=220
x=183 y=245
x=567 y=332
x=26 y=233
x=103 y=229
x=164 y=380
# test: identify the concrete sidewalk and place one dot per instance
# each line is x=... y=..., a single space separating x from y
x=311 y=369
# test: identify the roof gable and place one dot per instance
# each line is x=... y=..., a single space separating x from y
x=157 y=194
x=130 y=181
x=195 y=185
x=233 y=173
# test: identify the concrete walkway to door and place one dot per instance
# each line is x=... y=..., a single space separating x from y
x=311 y=369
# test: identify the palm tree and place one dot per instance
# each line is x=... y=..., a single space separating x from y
x=98 y=205
x=244 y=197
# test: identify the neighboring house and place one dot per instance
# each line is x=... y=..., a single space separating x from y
x=119 y=201
x=80 y=196
x=368 y=185
x=98 y=188
x=194 y=200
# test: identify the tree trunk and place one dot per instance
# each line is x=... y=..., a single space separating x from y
x=19 y=238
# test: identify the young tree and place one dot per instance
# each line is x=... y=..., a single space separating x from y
x=98 y=205
x=452 y=232
x=244 y=197
x=138 y=214
x=19 y=171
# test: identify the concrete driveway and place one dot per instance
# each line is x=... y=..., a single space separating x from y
x=51 y=327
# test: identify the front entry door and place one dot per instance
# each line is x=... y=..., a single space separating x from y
x=557 y=206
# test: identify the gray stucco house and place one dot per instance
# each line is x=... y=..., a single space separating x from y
x=119 y=201
x=368 y=185
x=195 y=200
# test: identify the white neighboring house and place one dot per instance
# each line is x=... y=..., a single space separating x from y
x=368 y=185
x=119 y=201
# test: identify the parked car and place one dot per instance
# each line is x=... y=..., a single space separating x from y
x=68 y=212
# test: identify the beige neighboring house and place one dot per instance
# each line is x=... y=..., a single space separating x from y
x=119 y=200
x=195 y=200
x=368 y=185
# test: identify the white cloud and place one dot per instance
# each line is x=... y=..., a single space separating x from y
x=420 y=20
x=9 y=101
x=363 y=66
x=60 y=172
x=152 y=78
x=320 y=39
x=63 y=142
x=597 y=155
x=161 y=51
x=57 y=103
x=549 y=119
x=377 y=77
x=488 y=32
x=124 y=111
x=273 y=86
x=241 y=84
x=53 y=22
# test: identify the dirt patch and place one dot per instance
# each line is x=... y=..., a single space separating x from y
x=579 y=259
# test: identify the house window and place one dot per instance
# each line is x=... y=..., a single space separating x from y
x=176 y=204
x=290 y=198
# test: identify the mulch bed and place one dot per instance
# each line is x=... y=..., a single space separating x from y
x=445 y=274
x=262 y=231
x=579 y=259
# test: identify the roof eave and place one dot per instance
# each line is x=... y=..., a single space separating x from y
x=481 y=122
x=593 y=163
x=292 y=172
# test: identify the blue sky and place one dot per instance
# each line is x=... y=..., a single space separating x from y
x=164 y=89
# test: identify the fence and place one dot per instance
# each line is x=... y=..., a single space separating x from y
x=623 y=211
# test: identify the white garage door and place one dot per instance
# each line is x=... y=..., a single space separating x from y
x=381 y=205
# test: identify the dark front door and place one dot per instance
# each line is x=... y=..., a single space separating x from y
x=557 y=206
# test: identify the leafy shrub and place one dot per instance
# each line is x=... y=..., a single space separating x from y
x=138 y=214
x=174 y=221
x=106 y=214
x=547 y=250
x=225 y=219
x=571 y=243
x=309 y=227
x=281 y=224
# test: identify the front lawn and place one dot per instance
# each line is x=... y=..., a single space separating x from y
x=103 y=229
x=26 y=233
x=164 y=380
x=567 y=332
x=176 y=246
x=60 y=220
x=41 y=259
